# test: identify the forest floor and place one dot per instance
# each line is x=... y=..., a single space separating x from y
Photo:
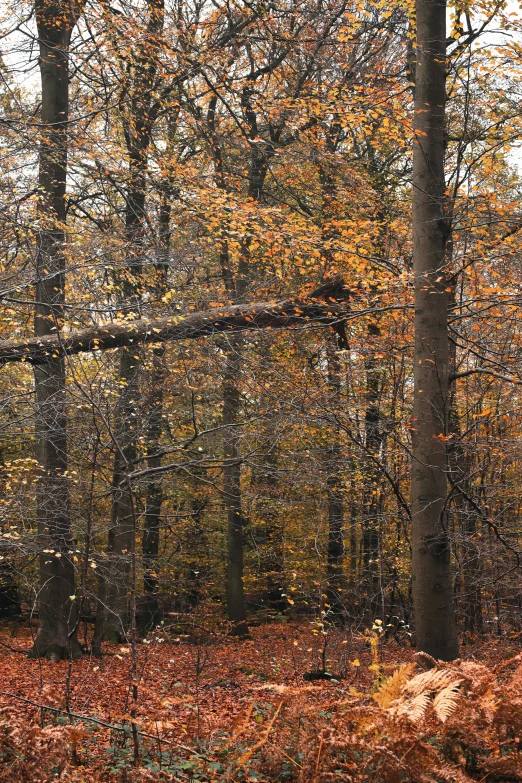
x=207 y=707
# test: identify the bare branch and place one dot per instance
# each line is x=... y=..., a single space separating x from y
x=482 y=371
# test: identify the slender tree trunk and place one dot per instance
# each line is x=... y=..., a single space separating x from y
x=459 y=471
x=373 y=442
x=112 y=620
x=154 y=491
x=236 y=286
x=149 y=616
x=9 y=593
x=269 y=532
x=459 y=465
x=197 y=571
x=431 y=569
x=232 y=488
x=335 y=554
x=56 y=637
x=329 y=215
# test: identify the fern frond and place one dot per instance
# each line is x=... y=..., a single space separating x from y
x=507 y=767
x=425 y=660
x=415 y=708
x=391 y=688
x=477 y=675
x=431 y=680
x=445 y=702
x=451 y=774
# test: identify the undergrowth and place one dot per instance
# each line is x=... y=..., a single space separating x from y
x=427 y=722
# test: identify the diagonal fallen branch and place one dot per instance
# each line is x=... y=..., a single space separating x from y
x=264 y=738
x=236 y=318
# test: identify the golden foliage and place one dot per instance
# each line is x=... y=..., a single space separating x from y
x=392 y=686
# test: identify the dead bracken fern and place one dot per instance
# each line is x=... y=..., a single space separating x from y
x=411 y=696
x=449 y=773
x=450 y=723
x=445 y=701
x=433 y=681
x=391 y=687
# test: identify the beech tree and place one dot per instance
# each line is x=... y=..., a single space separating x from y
x=56 y=637
x=435 y=622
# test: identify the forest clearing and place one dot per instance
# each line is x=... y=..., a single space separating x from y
x=260 y=409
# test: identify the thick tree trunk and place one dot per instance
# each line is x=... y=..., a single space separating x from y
x=56 y=637
x=431 y=570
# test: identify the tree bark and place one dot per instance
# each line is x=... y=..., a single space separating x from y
x=113 y=617
x=269 y=533
x=335 y=553
x=150 y=614
x=236 y=286
x=56 y=636
x=299 y=313
x=232 y=489
x=431 y=569
x=373 y=442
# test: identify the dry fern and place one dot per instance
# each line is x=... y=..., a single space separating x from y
x=432 y=680
x=414 y=708
x=398 y=737
x=391 y=688
x=449 y=773
x=425 y=660
x=508 y=768
x=445 y=702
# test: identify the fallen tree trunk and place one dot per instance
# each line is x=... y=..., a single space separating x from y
x=236 y=318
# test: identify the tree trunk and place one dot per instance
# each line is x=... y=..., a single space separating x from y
x=459 y=472
x=459 y=465
x=269 y=530
x=373 y=442
x=56 y=636
x=112 y=619
x=149 y=617
x=193 y=326
x=150 y=614
x=335 y=554
x=236 y=286
x=9 y=593
x=431 y=568
x=232 y=488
